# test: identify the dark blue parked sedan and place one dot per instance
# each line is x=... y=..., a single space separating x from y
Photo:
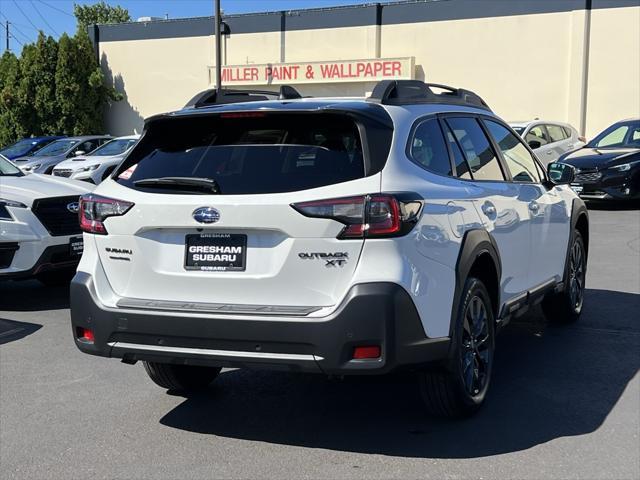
x=26 y=147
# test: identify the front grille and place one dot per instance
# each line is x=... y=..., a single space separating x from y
x=591 y=177
x=56 y=217
x=7 y=251
x=63 y=172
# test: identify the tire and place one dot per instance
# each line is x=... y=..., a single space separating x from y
x=180 y=377
x=566 y=306
x=56 y=278
x=459 y=389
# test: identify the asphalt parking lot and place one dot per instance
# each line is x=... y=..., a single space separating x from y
x=565 y=402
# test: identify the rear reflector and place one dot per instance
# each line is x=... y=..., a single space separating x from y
x=85 y=335
x=367 y=216
x=361 y=353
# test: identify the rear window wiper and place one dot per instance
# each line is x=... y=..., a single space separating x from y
x=195 y=183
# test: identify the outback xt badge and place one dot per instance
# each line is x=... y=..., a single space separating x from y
x=337 y=259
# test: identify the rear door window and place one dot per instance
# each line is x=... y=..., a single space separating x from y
x=556 y=133
x=462 y=168
x=428 y=148
x=250 y=153
x=537 y=137
x=477 y=149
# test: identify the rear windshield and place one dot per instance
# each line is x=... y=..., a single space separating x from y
x=247 y=153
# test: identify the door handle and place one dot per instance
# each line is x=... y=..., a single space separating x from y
x=534 y=207
x=488 y=209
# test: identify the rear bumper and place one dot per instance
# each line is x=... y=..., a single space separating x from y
x=372 y=314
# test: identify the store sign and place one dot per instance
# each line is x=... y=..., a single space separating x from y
x=316 y=72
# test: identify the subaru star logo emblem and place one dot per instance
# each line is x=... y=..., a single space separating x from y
x=73 y=207
x=206 y=215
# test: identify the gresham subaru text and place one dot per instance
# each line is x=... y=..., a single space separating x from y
x=331 y=235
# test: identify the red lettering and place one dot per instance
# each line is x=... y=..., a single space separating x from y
x=397 y=68
x=254 y=74
x=325 y=71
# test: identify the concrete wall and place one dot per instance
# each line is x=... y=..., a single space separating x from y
x=527 y=59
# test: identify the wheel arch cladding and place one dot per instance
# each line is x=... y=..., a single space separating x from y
x=580 y=221
x=478 y=257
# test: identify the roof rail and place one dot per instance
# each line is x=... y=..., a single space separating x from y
x=210 y=96
x=406 y=92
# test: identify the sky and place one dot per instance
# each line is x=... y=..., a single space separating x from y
x=54 y=17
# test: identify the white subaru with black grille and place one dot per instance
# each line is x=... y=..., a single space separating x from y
x=338 y=236
x=40 y=232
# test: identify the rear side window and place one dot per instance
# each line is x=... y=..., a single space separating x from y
x=477 y=150
x=248 y=153
x=556 y=132
x=518 y=159
x=428 y=148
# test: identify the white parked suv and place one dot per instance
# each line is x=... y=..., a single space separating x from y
x=40 y=232
x=338 y=236
x=549 y=140
x=97 y=165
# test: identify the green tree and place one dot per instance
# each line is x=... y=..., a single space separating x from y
x=57 y=87
x=99 y=12
x=9 y=81
x=44 y=79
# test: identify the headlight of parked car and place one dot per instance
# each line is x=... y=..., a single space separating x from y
x=31 y=168
x=4 y=212
x=625 y=166
x=90 y=168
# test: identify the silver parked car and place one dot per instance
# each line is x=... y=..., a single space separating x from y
x=549 y=140
x=48 y=157
x=97 y=165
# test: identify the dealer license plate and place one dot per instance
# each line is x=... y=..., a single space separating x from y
x=76 y=246
x=219 y=252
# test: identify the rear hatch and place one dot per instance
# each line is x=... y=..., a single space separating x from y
x=215 y=222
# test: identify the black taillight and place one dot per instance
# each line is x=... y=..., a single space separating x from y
x=367 y=216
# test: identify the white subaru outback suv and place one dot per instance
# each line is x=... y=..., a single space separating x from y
x=338 y=236
x=40 y=233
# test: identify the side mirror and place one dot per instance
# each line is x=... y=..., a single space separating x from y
x=561 y=173
x=534 y=144
x=77 y=153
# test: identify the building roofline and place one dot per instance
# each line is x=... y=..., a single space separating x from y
x=392 y=13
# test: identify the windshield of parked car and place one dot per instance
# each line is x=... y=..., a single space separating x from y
x=21 y=147
x=56 y=148
x=619 y=135
x=114 y=147
x=246 y=154
x=7 y=169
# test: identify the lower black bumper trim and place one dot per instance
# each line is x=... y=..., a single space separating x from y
x=372 y=314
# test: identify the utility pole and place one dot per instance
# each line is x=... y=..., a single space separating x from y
x=7 y=34
x=218 y=49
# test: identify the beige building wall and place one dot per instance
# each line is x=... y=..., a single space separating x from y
x=613 y=91
x=519 y=72
x=155 y=75
x=524 y=66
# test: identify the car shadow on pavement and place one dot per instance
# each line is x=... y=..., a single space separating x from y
x=10 y=330
x=32 y=296
x=550 y=382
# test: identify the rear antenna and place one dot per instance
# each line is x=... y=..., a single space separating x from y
x=218 y=50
